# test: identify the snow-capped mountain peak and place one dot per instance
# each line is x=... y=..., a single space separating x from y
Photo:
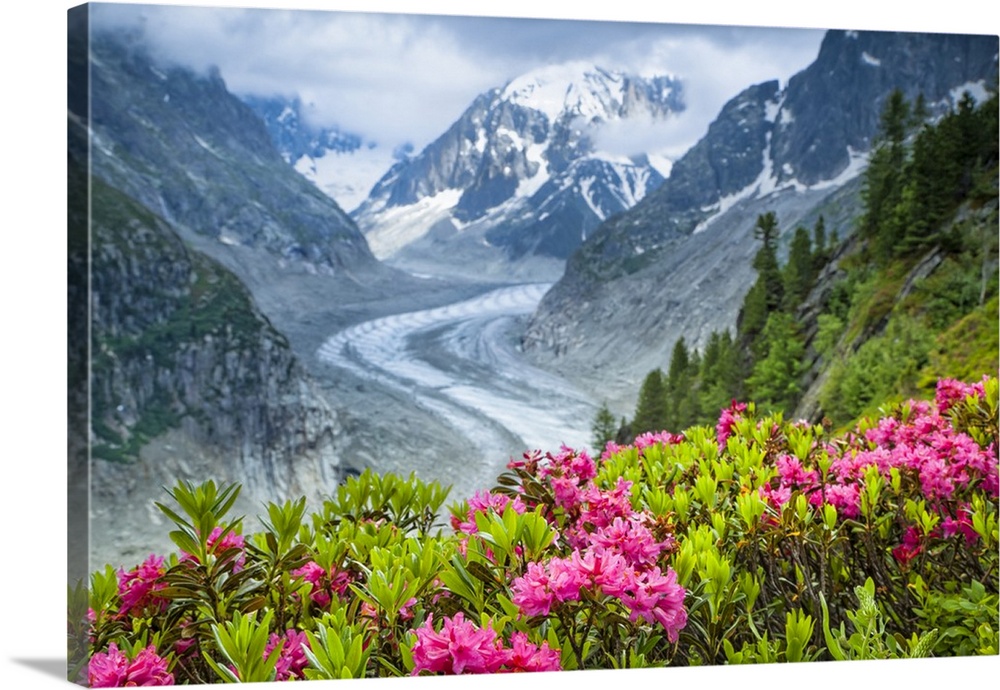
x=522 y=167
x=580 y=89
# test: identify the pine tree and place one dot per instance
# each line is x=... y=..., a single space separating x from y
x=604 y=429
x=774 y=382
x=884 y=180
x=720 y=378
x=821 y=253
x=766 y=260
x=683 y=405
x=798 y=273
x=651 y=409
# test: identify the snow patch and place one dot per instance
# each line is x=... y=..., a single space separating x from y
x=527 y=187
x=576 y=87
x=772 y=109
x=208 y=147
x=395 y=227
x=346 y=177
x=870 y=60
x=661 y=164
x=976 y=89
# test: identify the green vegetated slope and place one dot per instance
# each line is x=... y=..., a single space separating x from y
x=845 y=325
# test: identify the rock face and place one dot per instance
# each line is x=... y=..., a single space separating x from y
x=678 y=263
x=179 y=352
x=521 y=171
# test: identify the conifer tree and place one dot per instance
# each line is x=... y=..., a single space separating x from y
x=884 y=180
x=798 y=273
x=774 y=382
x=651 y=409
x=604 y=429
x=683 y=405
x=821 y=253
x=720 y=378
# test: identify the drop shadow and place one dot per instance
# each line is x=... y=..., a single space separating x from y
x=50 y=667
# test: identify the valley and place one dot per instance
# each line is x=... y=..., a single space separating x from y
x=460 y=365
x=257 y=323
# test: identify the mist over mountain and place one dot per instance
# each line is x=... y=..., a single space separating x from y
x=194 y=154
x=342 y=165
x=678 y=263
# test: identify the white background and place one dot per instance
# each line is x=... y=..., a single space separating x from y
x=32 y=396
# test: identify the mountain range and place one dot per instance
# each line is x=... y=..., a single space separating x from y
x=221 y=258
x=679 y=262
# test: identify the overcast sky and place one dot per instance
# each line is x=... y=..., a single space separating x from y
x=397 y=78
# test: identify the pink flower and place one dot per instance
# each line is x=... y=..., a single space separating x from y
x=644 y=441
x=653 y=596
x=950 y=391
x=793 y=474
x=112 y=669
x=138 y=587
x=566 y=491
x=727 y=421
x=460 y=647
x=910 y=548
x=107 y=669
x=631 y=538
x=481 y=502
x=603 y=570
x=532 y=593
x=524 y=656
x=324 y=583
x=604 y=506
x=217 y=546
x=292 y=660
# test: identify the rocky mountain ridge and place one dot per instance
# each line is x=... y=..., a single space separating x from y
x=678 y=263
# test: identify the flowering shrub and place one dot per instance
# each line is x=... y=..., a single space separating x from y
x=758 y=540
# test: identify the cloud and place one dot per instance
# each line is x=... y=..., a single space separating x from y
x=397 y=78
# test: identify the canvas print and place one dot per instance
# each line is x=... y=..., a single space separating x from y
x=408 y=345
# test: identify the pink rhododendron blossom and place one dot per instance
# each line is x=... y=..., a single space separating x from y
x=603 y=570
x=481 y=502
x=325 y=584
x=292 y=659
x=665 y=438
x=950 y=391
x=107 y=669
x=604 y=506
x=656 y=597
x=217 y=544
x=459 y=647
x=565 y=580
x=524 y=656
x=611 y=448
x=792 y=473
x=531 y=591
x=727 y=422
x=776 y=497
x=566 y=491
x=846 y=498
x=631 y=538
x=138 y=587
x=112 y=669
x=962 y=525
x=910 y=548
